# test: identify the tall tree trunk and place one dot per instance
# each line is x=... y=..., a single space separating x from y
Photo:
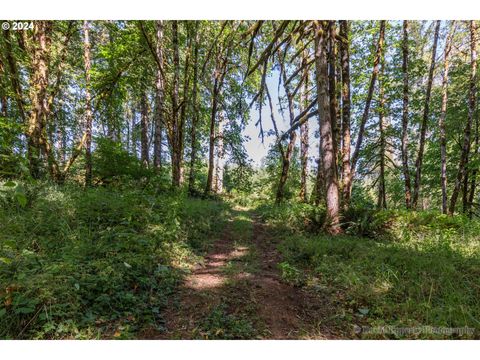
x=184 y=107
x=144 y=130
x=461 y=173
x=332 y=200
x=219 y=74
x=382 y=195
x=426 y=113
x=88 y=105
x=211 y=140
x=304 y=135
x=286 y=155
x=176 y=155
x=332 y=84
x=373 y=79
x=220 y=160
x=36 y=135
x=345 y=66
x=443 y=114
x=159 y=97
x=193 y=129
x=471 y=196
x=405 y=169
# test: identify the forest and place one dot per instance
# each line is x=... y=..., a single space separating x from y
x=271 y=179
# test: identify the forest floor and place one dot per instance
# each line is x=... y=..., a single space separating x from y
x=237 y=292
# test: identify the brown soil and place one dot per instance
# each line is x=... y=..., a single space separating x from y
x=279 y=310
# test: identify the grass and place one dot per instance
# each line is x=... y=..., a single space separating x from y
x=95 y=263
x=414 y=270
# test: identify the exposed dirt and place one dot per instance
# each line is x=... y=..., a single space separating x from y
x=278 y=310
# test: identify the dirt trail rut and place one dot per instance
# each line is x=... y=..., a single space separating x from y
x=278 y=310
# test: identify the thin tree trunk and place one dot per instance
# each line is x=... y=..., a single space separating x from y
x=471 y=195
x=461 y=173
x=286 y=160
x=144 y=130
x=183 y=110
x=220 y=161
x=426 y=113
x=176 y=156
x=195 y=117
x=405 y=169
x=211 y=143
x=88 y=105
x=373 y=79
x=332 y=200
x=286 y=156
x=346 y=141
x=159 y=97
x=332 y=85
x=304 y=137
x=382 y=196
x=443 y=114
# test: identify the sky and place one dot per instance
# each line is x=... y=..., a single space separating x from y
x=254 y=146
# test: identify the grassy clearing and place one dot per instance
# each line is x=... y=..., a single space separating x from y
x=96 y=263
x=413 y=269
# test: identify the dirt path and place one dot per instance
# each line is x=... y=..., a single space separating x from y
x=238 y=292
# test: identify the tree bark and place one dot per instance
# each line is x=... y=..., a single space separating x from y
x=441 y=120
x=88 y=105
x=332 y=221
x=405 y=168
x=304 y=136
x=211 y=143
x=220 y=161
x=382 y=196
x=144 y=128
x=286 y=155
x=426 y=113
x=195 y=117
x=218 y=78
x=471 y=111
x=37 y=122
x=346 y=141
x=159 y=97
x=176 y=155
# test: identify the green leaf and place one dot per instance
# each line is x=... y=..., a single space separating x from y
x=24 y=310
x=21 y=198
x=5 y=260
x=127 y=265
x=10 y=184
x=3 y=311
x=363 y=311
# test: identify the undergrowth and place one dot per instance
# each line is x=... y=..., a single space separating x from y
x=390 y=268
x=95 y=263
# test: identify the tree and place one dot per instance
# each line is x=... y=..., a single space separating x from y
x=345 y=70
x=304 y=133
x=443 y=114
x=405 y=168
x=426 y=113
x=332 y=200
x=363 y=121
x=88 y=105
x=461 y=173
